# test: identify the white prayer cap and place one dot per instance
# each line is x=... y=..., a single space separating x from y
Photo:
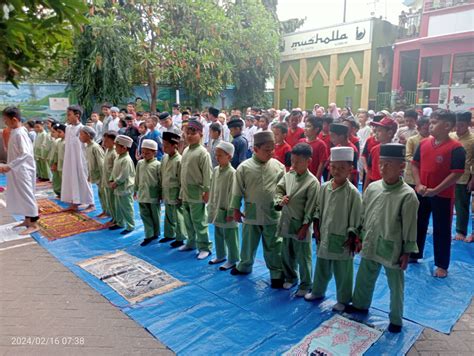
x=114 y=109
x=150 y=144
x=339 y=154
x=227 y=147
x=124 y=141
x=90 y=131
x=427 y=111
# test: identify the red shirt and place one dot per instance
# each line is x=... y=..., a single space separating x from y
x=369 y=145
x=283 y=154
x=373 y=163
x=293 y=137
x=327 y=140
x=436 y=162
x=355 y=141
x=320 y=155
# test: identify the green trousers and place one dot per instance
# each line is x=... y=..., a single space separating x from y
x=174 y=222
x=343 y=271
x=462 y=204
x=150 y=214
x=57 y=181
x=42 y=169
x=124 y=211
x=102 y=198
x=365 y=285
x=296 y=255
x=110 y=202
x=195 y=219
x=227 y=243
x=271 y=248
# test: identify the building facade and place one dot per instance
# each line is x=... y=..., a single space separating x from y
x=348 y=64
x=434 y=56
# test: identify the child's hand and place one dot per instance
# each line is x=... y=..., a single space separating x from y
x=54 y=167
x=420 y=189
x=113 y=185
x=238 y=215
x=285 y=200
x=316 y=232
x=134 y=196
x=205 y=197
x=404 y=261
x=352 y=243
x=302 y=232
x=430 y=192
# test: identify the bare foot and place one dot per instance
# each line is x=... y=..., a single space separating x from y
x=24 y=223
x=469 y=239
x=33 y=228
x=89 y=209
x=440 y=273
x=459 y=237
x=72 y=207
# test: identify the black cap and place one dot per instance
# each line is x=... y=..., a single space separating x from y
x=171 y=137
x=392 y=151
x=213 y=111
x=237 y=122
x=339 y=129
x=463 y=116
x=164 y=115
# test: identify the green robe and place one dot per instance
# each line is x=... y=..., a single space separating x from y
x=61 y=147
x=109 y=159
x=218 y=208
x=339 y=212
x=53 y=159
x=256 y=183
x=41 y=153
x=303 y=192
x=195 y=173
x=123 y=173
x=389 y=222
x=95 y=162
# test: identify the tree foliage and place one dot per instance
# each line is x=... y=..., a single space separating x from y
x=34 y=32
x=102 y=63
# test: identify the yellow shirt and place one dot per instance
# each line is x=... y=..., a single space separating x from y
x=467 y=141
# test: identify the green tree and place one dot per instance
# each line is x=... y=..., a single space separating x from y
x=35 y=32
x=102 y=63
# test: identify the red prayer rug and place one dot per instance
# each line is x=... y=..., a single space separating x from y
x=65 y=224
x=47 y=207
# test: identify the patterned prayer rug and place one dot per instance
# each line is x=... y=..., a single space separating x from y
x=130 y=276
x=337 y=336
x=64 y=224
x=47 y=207
x=43 y=185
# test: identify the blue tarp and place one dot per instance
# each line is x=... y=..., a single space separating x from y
x=216 y=312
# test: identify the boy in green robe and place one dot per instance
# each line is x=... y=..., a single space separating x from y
x=58 y=158
x=337 y=220
x=389 y=224
x=148 y=190
x=95 y=161
x=195 y=184
x=296 y=197
x=171 y=183
x=41 y=152
x=108 y=141
x=122 y=181
x=226 y=229
x=53 y=162
x=255 y=181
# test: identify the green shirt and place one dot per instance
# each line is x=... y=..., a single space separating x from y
x=389 y=222
x=170 y=178
x=195 y=173
x=339 y=212
x=95 y=161
x=109 y=159
x=53 y=153
x=123 y=174
x=219 y=197
x=148 y=181
x=256 y=182
x=303 y=191
x=60 y=151
x=41 y=145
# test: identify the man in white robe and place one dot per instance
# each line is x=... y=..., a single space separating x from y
x=75 y=189
x=21 y=172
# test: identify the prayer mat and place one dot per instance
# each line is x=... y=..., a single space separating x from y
x=44 y=194
x=8 y=233
x=337 y=336
x=47 y=207
x=65 y=224
x=43 y=185
x=130 y=276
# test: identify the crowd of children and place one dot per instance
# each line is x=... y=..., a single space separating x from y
x=301 y=181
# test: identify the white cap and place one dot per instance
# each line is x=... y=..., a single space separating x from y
x=427 y=111
x=150 y=144
x=124 y=141
x=345 y=154
x=227 y=147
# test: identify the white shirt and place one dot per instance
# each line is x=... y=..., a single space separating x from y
x=177 y=120
x=98 y=127
x=114 y=124
x=363 y=133
x=248 y=133
x=21 y=178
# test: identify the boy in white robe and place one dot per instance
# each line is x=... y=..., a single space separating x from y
x=75 y=187
x=21 y=172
